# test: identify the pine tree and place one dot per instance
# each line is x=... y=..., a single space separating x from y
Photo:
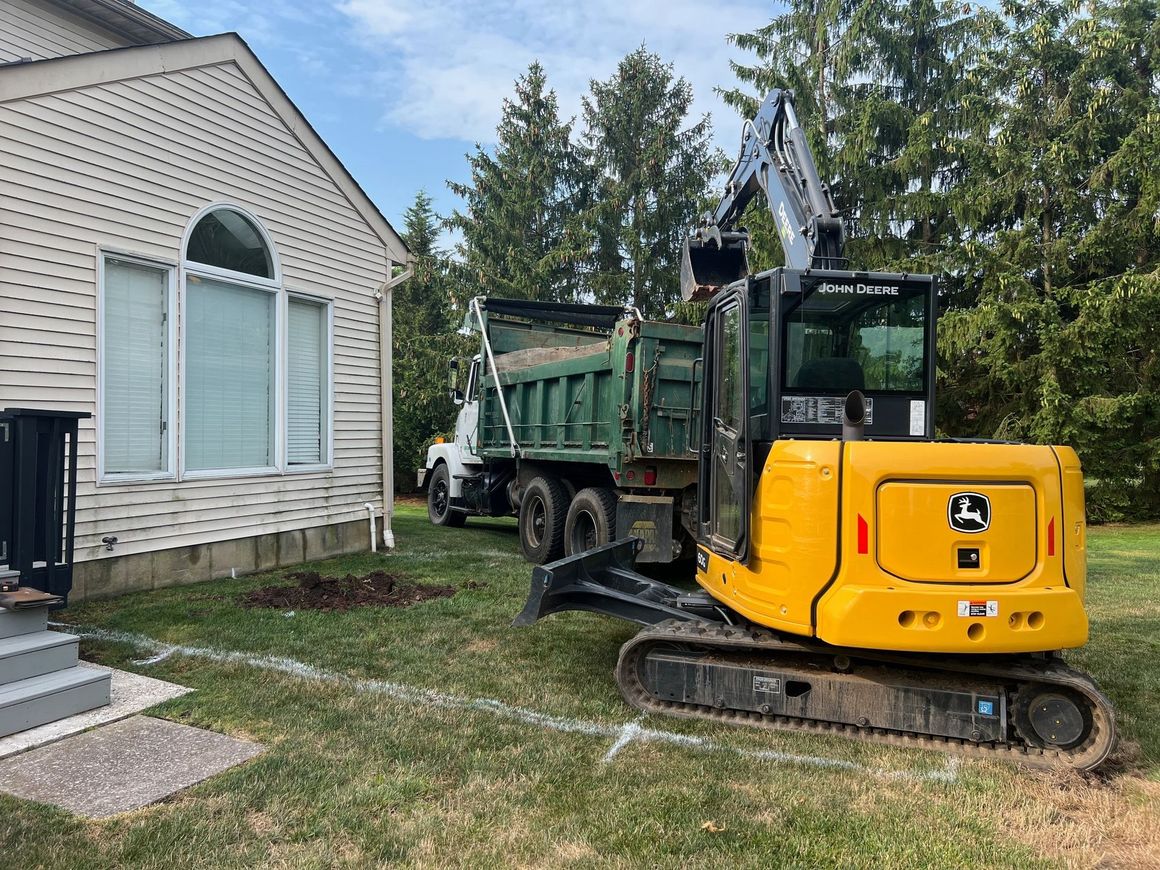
x=650 y=175
x=892 y=101
x=916 y=105
x=1063 y=345
x=516 y=224
x=424 y=341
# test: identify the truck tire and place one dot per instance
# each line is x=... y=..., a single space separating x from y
x=591 y=520
x=439 y=499
x=543 y=511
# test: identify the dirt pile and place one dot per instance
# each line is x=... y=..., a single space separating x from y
x=315 y=592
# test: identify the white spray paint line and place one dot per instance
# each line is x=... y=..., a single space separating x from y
x=622 y=735
x=628 y=733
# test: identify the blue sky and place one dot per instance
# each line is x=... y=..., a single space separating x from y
x=401 y=90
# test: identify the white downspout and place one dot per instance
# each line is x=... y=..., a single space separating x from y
x=386 y=401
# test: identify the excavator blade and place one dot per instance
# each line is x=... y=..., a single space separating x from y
x=602 y=580
x=712 y=260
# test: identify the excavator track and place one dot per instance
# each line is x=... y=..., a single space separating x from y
x=1046 y=715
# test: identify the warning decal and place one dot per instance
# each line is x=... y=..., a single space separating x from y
x=978 y=608
x=818 y=409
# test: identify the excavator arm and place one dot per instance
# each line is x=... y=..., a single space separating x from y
x=774 y=159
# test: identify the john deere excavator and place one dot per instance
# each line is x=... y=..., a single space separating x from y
x=859 y=576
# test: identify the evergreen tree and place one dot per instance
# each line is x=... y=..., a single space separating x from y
x=423 y=341
x=1012 y=152
x=892 y=100
x=517 y=236
x=1063 y=345
x=650 y=175
x=916 y=104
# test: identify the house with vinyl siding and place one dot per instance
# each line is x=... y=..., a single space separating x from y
x=183 y=258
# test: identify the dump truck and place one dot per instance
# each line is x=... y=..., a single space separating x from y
x=859 y=576
x=578 y=419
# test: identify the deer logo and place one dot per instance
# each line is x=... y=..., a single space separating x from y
x=969 y=512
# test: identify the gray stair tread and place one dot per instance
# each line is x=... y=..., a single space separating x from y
x=49 y=684
x=35 y=641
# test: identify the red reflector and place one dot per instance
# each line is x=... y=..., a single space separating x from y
x=1051 y=537
x=629 y=361
x=650 y=476
x=616 y=475
x=631 y=475
x=863 y=536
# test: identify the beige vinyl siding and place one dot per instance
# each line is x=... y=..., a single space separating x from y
x=40 y=31
x=126 y=165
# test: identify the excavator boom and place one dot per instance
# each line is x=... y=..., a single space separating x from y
x=774 y=160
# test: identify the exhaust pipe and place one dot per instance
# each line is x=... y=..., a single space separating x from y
x=854 y=417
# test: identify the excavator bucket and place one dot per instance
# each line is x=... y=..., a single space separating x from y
x=711 y=260
x=602 y=580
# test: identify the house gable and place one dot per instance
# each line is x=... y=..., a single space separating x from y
x=24 y=82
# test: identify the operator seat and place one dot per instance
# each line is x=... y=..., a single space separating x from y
x=831 y=373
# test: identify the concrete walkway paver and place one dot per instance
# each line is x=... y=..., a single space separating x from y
x=122 y=766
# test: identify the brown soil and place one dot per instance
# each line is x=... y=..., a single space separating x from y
x=315 y=592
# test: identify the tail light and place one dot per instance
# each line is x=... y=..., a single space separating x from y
x=863 y=536
x=629 y=361
x=650 y=476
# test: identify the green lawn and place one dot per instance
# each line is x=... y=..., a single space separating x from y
x=506 y=760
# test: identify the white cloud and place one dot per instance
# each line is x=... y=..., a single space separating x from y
x=440 y=69
x=443 y=68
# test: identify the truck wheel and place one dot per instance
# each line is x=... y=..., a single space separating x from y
x=439 y=500
x=591 y=520
x=543 y=510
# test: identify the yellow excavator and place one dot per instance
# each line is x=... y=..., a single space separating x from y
x=858 y=575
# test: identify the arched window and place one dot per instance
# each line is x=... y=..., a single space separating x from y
x=257 y=358
x=231 y=297
x=227 y=239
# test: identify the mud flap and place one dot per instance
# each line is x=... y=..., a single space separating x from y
x=602 y=580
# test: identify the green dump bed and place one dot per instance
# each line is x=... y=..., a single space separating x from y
x=622 y=397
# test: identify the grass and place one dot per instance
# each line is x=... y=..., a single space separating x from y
x=366 y=778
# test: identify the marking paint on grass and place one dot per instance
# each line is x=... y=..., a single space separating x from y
x=622 y=735
x=629 y=732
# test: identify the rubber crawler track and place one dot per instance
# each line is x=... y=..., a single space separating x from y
x=747 y=640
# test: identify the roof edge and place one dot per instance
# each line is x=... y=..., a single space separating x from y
x=125 y=19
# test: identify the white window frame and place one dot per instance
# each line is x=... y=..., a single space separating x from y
x=171 y=268
x=252 y=282
x=327 y=419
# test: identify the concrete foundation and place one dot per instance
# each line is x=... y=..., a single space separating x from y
x=116 y=575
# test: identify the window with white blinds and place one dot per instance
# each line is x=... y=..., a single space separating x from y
x=307 y=382
x=135 y=405
x=229 y=375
